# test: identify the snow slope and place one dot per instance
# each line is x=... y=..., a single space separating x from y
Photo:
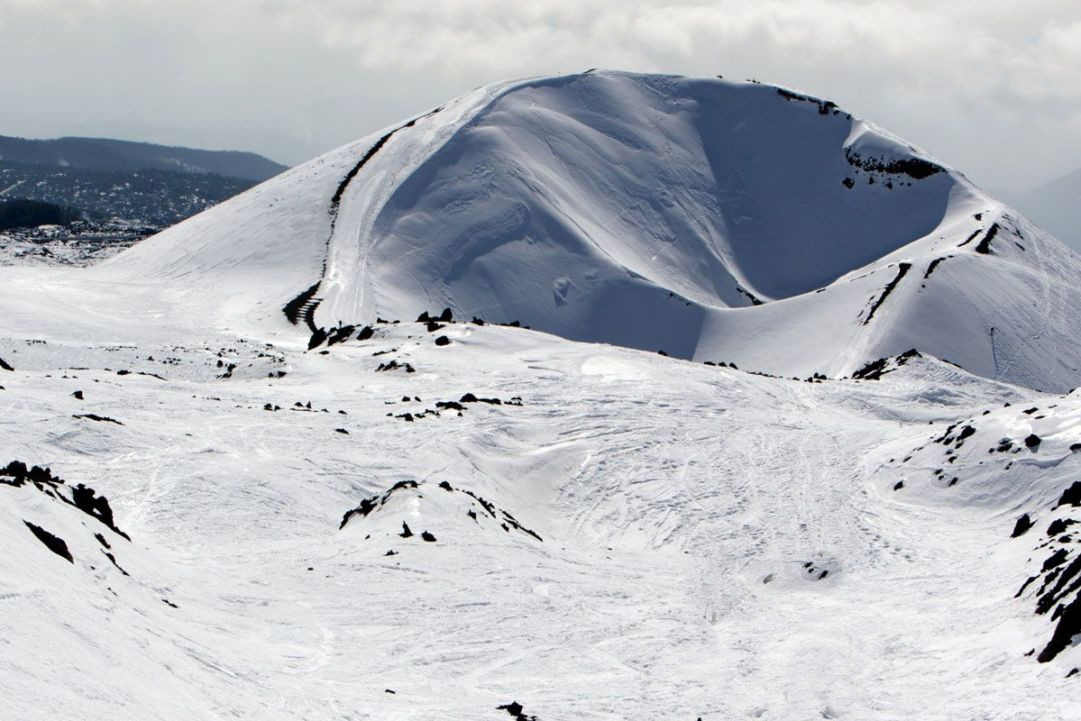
x=642 y=537
x=709 y=219
x=460 y=520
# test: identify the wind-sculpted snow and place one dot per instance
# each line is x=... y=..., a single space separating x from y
x=385 y=488
x=642 y=537
x=708 y=219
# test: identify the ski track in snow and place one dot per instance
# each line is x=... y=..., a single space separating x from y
x=666 y=493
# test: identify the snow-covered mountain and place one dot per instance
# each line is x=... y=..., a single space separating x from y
x=712 y=220
x=217 y=502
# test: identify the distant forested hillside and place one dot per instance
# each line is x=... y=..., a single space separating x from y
x=22 y=213
x=110 y=181
x=123 y=155
x=157 y=198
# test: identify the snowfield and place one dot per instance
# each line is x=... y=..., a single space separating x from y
x=386 y=518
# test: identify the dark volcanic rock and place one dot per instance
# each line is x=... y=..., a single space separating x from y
x=90 y=503
x=1071 y=496
x=318 y=336
x=1059 y=526
x=1021 y=527
x=1069 y=625
x=340 y=334
x=96 y=417
x=515 y=709
x=53 y=543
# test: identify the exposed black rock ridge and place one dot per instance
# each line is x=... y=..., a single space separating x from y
x=825 y=107
x=1071 y=496
x=447 y=316
x=902 y=269
x=80 y=496
x=915 y=168
x=1069 y=625
x=53 y=543
x=303 y=307
x=1057 y=581
x=370 y=504
x=984 y=246
x=87 y=501
x=970 y=238
x=515 y=709
x=339 y=334
x=319 y=335
x=934 y=264
x=750 y=296
x=393 y=364
x=505 y=519
x=874 y=370
x=1021 y=527
x=96 y=417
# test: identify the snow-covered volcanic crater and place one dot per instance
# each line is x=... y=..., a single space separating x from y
x=287 y=459
x=712 y=220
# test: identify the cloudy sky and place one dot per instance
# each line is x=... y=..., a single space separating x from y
x=992 y=87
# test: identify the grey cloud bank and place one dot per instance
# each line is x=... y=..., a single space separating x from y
x=989 y=87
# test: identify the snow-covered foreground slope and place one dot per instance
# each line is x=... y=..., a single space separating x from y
x=713 y=220
x=624 y=536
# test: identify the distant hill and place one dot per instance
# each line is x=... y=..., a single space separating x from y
x=153 y=186
x=123 y=155
x=1056 y=206
x=153 y=198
